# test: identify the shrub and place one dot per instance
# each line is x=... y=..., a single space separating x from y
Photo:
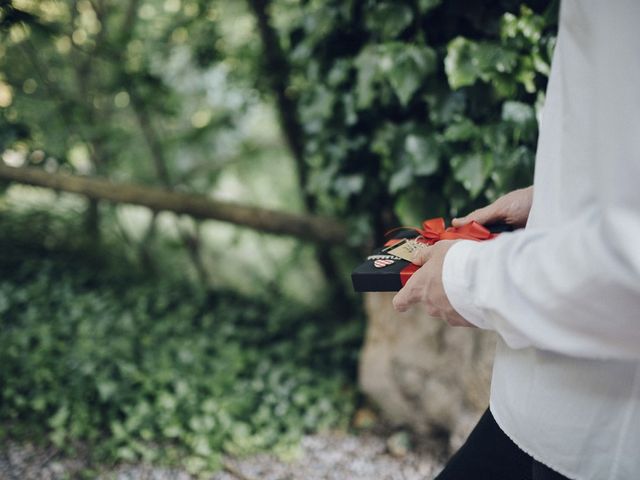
x=418 y=108
x=93 y=353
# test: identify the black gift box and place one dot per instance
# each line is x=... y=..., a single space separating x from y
x=382 y=272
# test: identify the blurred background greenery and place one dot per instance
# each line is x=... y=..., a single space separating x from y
x=163 y=336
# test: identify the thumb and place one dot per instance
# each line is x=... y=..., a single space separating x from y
x=421 y=255
x=482 y=215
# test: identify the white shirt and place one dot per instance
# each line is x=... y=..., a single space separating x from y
x=564 y=293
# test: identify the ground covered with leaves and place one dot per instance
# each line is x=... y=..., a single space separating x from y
x=326 y=456
x=96 y=356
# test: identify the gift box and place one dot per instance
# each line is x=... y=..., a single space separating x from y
x=385 y=272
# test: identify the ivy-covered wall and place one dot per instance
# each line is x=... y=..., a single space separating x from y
x=417 y=108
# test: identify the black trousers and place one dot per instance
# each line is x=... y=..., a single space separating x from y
x=489 y=454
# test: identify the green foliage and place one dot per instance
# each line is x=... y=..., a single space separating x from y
x=93 y=353
x=411 y=108
x=418 y=108
x=126 y=89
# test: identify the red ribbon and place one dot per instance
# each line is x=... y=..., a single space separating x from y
x=433 y=230
x=406 y=272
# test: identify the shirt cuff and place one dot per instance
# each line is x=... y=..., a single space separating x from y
x=457 y=282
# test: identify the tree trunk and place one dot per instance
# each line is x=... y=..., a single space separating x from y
x=277 y=70
x=191 y=241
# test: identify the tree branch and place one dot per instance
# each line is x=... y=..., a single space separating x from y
x=307 y=227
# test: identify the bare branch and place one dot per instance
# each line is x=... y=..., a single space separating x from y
x=307 y=227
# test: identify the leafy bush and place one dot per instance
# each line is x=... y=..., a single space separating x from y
x=91 y=352
x=418 y=108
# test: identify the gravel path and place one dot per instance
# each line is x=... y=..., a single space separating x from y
x=325 y=457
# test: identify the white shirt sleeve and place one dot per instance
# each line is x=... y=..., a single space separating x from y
x=574 y=288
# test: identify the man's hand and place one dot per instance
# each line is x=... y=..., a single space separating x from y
x=512 y=209
x=425 y=286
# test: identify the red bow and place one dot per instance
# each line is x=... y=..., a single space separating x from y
x=434 y=230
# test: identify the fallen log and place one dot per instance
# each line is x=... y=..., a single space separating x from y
x=307 y=227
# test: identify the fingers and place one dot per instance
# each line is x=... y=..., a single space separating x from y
x=512 y=208
x=485 y=215
x=403 y=299
x=421 y=255
x=460 y=221
x=411 y=292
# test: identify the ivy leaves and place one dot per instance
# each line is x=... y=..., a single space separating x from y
x=515 y=61
x=421 y=114
x=403 y=68
x=407 y=153
x=471 y=171
x=389 y=19
x=93 y=352
x=468 y=61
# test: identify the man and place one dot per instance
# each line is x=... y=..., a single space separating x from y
x=563 y=294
